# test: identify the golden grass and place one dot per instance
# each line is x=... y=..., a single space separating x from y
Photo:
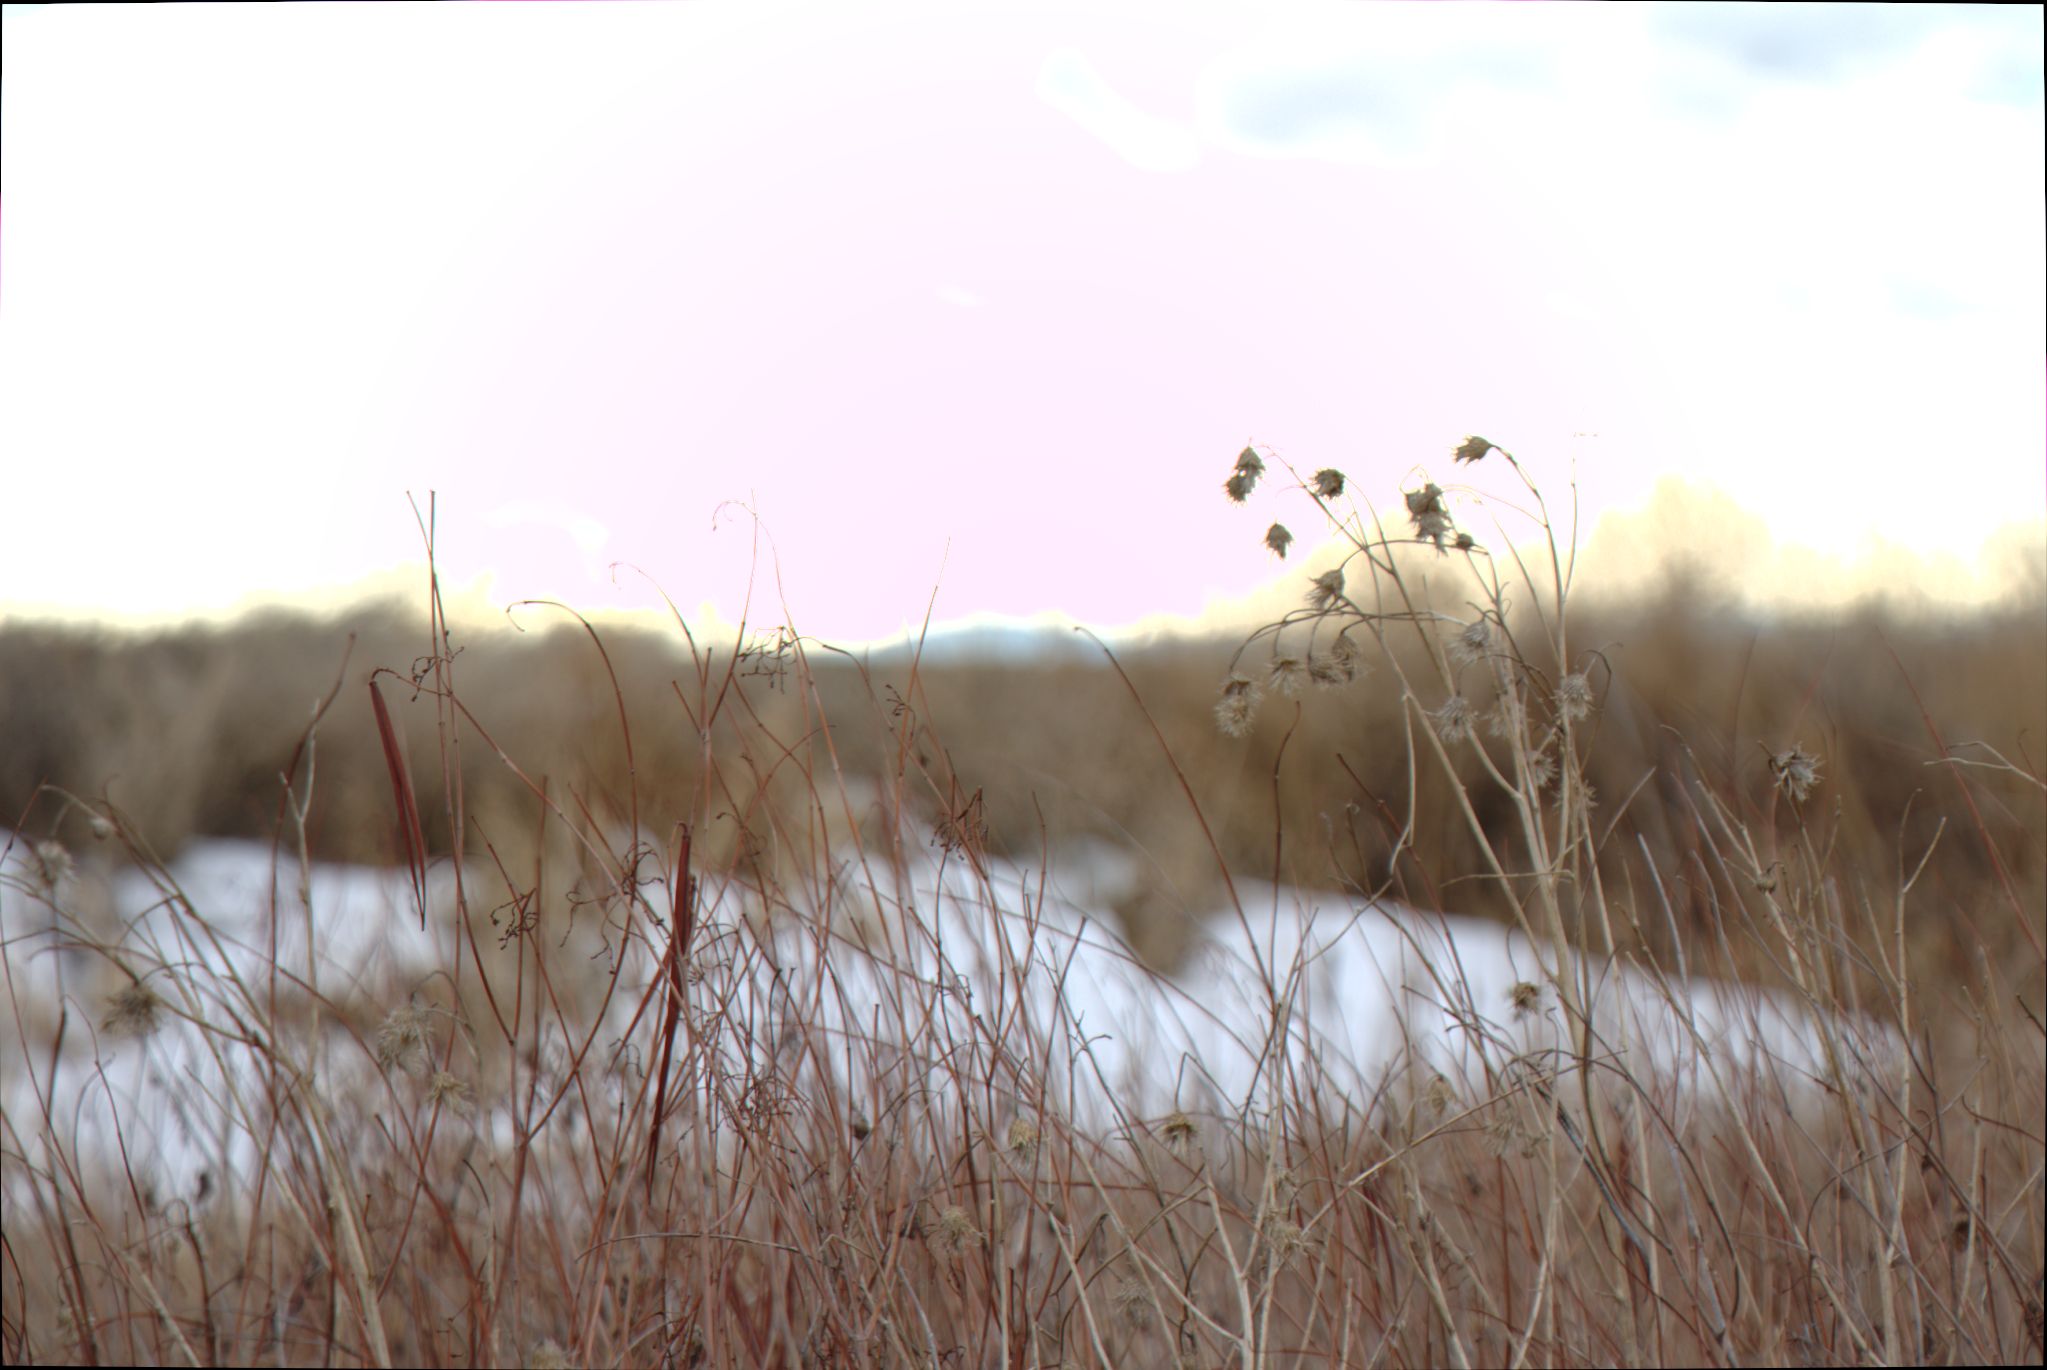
x=477 y=1169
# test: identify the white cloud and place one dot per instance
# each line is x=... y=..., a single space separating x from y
x=1821 y=43
x=1374 y=85
x=1069 y=83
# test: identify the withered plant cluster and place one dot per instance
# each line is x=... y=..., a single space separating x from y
x=612 y=1127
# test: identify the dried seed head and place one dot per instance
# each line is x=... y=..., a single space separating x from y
x=1525 y=997
x=1289 y=673
x=402 y=1039
x=1439 y=1095
x=102 y=828
x=1797 y=771
x=1336 y=667
x=955 y=1232
x=1278 y=539
x=1288 y=1240
x=1574 y=696
x=1329 y=482
x=451 y=1092
x=548 y=1354
x=1542 y=770
x=1431 y=518
x=1022 y=1140
x=1326 y=590
x=1472 y=450
x=1463 y=542
x=1472 y=644
x=1245 y=478
x=1238 y=703
x=1178 y=1130
x=1453 y=720
x=53 y=865
x=134 y=1010
x=1130 y=1301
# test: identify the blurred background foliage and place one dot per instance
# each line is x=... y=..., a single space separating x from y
x=188 y=731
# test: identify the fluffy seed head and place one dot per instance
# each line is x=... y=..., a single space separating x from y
x=1574 y=696
x=955 y=1232
x=451 y=1092
x=1453 y=720
x=1244 y=478
x=1278 y=539
x=1239 y=701
x=1178 y=1130
x=1288 y=1239
x=134 y=1010
x=402 y=1039
x=1425 y=509
x=1472 y=450
x=548 y=1354
x=1338 y=666
x=1472 y=644
x=1022 y=1140
x=1289 y=673
x=1329 y=482
x=1326 y=590
x=53 y=865
x=1796 y=771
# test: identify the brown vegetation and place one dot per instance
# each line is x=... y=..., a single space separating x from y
x=185 y=733
x=468 y=1171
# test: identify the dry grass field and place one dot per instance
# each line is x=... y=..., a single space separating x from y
x=654 y=1105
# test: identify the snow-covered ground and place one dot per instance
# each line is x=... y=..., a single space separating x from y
x=910 y=976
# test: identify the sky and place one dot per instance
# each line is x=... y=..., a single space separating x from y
x=970 y=306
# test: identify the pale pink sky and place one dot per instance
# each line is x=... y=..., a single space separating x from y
x=1013 y=281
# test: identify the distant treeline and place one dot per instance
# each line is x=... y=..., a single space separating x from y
x=190 y=731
